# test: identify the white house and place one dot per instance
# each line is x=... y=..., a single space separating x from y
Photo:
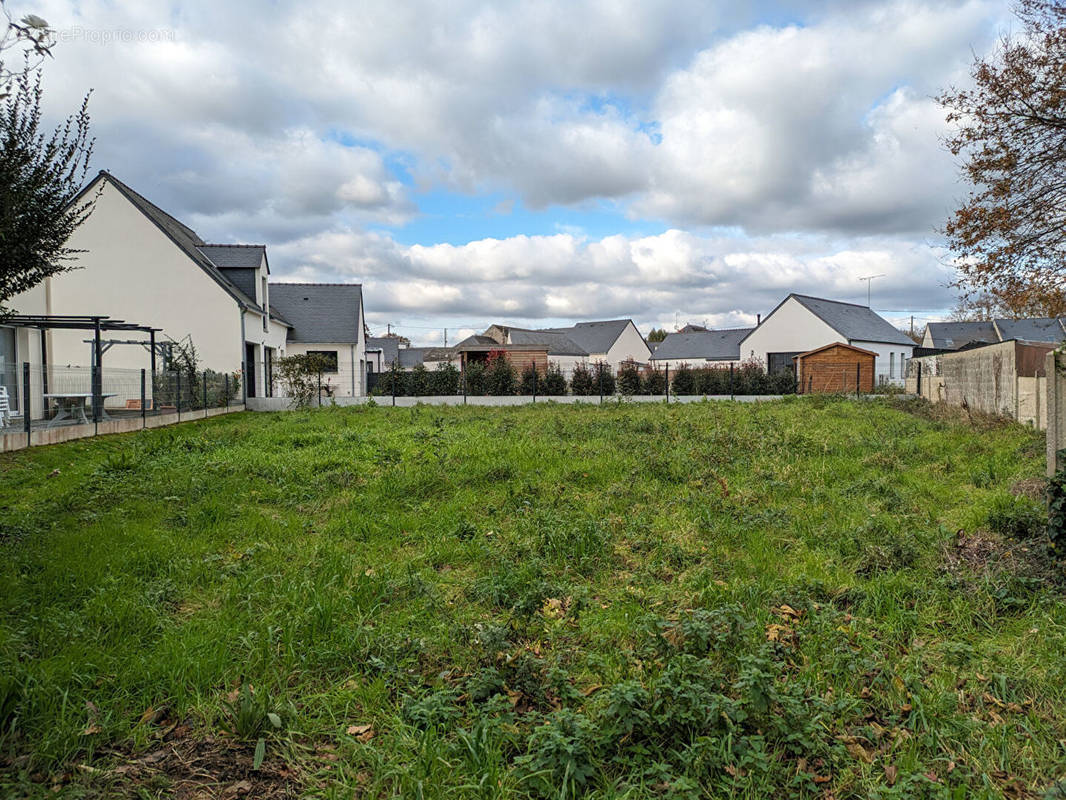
x=612 y=341
x=801 y=323
x=700 y=348
x=326 y=319
x=140 y=264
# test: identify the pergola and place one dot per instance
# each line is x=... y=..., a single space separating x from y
x=97 y=324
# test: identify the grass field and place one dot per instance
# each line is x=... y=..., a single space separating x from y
x=803 y=598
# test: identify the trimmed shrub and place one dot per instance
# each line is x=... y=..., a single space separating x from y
x=603 y=379
x=654 y=382
x=581 y=381
x=554 y=381
x=530 y=382
x=629 y=382
x=418 y=382
x=684 y=380
x=500 y=375
x=444 y=380
x=475 y=378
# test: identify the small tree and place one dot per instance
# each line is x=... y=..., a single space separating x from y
x=418 y=381
x=604 y=379
x=683 y=381
x=474 y=375
x=581 y=381
x=656 y=334
x=500 y=375
x=302 y=377
x=629 y=382
x=41 y=173
x=530 y=381
x=444 y=380
x=654 y=382
x=554 y=382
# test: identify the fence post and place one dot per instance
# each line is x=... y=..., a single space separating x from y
x=205 y=393
x=144 y=398
x=394 y=374
x=858 y=377
x=226 y=384
x=919 y=378
x=178 y=402
x=27 y=405
x=732 y=394
x=599 y=374
x=534 y=383
x=667 y=381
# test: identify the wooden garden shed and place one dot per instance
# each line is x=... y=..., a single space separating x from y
x=836 y=368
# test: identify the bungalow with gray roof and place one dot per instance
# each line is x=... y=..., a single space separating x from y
x=700 y=348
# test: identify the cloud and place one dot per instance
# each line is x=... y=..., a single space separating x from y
x=726 y=280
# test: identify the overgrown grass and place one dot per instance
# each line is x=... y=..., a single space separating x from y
x=805 y=598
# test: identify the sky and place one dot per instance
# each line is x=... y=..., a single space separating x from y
x=536 y=163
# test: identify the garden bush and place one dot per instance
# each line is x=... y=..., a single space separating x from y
x=500 y=375
x=474 y=375
x=654 y=382
x=684 y=381
x=629 y=382
x=581 y=381
x=554 y=381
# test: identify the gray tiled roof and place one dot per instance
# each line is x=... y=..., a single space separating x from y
x=179 y=233
x=594 y=337
x=240 y=256
x=320 y=312
x=389 y=345
x=721 y=345
x=559 y=344
x=853 y=322
x=1031 y=330
x=413 y=356
x=953 y=335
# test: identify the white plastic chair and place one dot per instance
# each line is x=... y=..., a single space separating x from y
x=5 y=407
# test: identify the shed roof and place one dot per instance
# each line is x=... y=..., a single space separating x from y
x=320 y=312
x=830 y=346
x=721 y=345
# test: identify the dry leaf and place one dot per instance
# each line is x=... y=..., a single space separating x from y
x=891 y=773
x=363 y=733
x=91 y=730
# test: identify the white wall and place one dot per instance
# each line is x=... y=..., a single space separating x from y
x=630 y=345
x=341 y=381
x=791 y=328
x=892 y=370
x=695 y=363
x=132 y=271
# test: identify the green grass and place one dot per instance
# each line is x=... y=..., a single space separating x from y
x=628 y=601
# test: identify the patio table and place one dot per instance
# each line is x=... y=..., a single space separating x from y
x=71 y=405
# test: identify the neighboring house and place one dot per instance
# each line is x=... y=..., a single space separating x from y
x=381 y=352
x=955 y=335
x=700 y=348
x=958 y=335
x=327 y=319
x=610 y=341
x=478 y=347
x=613 y=341
x=801 y=323
x=428 y=357
x=135 y=262
x=561 y=350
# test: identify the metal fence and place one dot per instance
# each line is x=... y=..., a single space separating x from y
x=34 y=398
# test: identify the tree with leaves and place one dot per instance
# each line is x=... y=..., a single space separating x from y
x=41 y=172
x=656 y=334
x=1009 y=236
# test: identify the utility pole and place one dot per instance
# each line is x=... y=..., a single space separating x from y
x=912 y=325
x=869 y=281
x=445 y=337
x=388 y=327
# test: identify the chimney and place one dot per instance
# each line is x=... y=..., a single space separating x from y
x=758 y=319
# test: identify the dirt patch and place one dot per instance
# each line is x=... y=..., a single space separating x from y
x=184 y=766
x=974 y=551
x=1033 y=488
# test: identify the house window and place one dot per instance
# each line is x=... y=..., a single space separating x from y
x=329 y=356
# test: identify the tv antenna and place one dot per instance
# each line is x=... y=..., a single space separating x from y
x=869 y=281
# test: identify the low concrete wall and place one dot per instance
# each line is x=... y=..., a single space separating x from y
x=283 y=404
x=16 y=440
